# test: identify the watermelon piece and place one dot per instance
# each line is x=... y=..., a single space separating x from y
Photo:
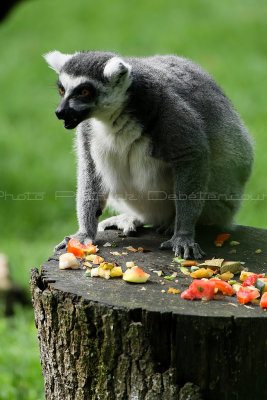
x=246 y=294
x=263 y=302
x=200 y=289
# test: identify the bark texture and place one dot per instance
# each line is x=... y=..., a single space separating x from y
x=92 y=351
x=102 y=350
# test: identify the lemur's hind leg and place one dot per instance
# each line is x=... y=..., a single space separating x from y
x=126 y=223
x=165 y=230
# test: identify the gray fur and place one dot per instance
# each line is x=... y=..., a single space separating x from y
x=158 y=139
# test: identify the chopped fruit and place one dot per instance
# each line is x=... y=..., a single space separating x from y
x=263 y=302
x=130 y=248
x=142 y=250
x=90 y=257
x=201 y=289
x=115 y=253
x=236 y=287
x=116 y=271
x=232 y=282
x=258 y=251
x=94 y=272
x=135 y=275
x=68 y=261
x=75 y=247
x=98 y=260
x=90 y=249
x=202 y=273
x=250 y=280
x=223 y=286
x=178 y=259
x=174 y=291
x=221 y=239
x=184 y=270
x=187 y=294
x=80 y=250
x=234 y=243
x=260 y=285
x=264 y=280
x=87 y=264
x=106 y=265
x=215 y=262
x=189 y=263
x=226 y=276
x=130 y=264
x=88 y=272
x=104 y=273
x=231 y=266
x=245 y=274
x=108 y=244
x=246 y=294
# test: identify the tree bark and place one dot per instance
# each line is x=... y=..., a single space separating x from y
x=113 y=341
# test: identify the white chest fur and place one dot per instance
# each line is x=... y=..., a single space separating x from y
x=128 y=173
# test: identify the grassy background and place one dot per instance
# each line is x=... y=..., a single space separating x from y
x=227 y=38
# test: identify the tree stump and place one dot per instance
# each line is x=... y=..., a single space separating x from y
x=106 y=339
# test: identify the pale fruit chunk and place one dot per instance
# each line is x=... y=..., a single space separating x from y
x=129 y=264
x=135 y=275
x=68 y=261
x=116 y=271
x=94 y=272
x=104 y=273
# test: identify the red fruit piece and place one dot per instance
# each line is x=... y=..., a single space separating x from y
x=223 y=286
x=245 y=295
x=186 y=294
x=199 y=289
x=263 y=302
x=250 y=280
x=221 y=239
x=78 y=249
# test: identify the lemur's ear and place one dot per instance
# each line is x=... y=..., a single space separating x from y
x=56 y=60
x=117 y=70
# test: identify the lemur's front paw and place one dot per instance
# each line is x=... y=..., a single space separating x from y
x=82 y=237
x=125 y=222
x=183 y=246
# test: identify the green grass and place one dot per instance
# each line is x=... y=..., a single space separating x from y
x=227 y=38
x=20 y=369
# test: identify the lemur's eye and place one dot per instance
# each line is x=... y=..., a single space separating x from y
x=85 y=92
x=61 y=90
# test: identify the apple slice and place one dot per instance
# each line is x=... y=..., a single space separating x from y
x=68 y=261
x=135 y=275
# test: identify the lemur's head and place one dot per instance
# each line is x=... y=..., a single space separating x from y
x=91 y=84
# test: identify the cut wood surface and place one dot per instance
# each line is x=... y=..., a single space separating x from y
x=107 y=339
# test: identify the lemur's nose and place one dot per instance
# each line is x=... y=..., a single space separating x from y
x=61 y=112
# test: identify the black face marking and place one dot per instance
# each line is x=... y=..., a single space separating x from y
x=86 y=92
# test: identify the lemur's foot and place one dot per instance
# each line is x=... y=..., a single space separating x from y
x=183 y=246
x=82 y=237
x=125 y=222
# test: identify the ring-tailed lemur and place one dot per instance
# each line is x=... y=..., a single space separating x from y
x=158 y=138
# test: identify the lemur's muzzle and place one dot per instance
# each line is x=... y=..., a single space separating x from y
x=70 y=116
x=71 y=120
